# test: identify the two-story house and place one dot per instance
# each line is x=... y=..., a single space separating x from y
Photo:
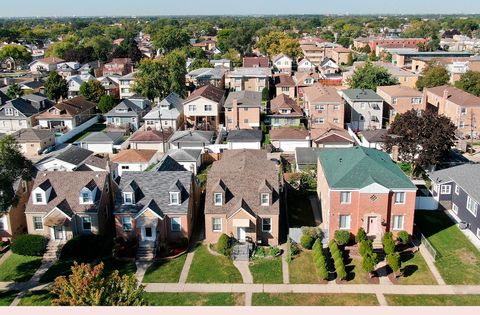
x=129 y=113
x=248 y=79
x=22 y=113
x=400 y=99
x=305 y=65
x=242 y=110
x=364 y=109
x=203 y=76
x=284 y=84
x=126 y=85
x=167 y=114
x=324 y=106
x=282 y=63
x=45 y=65
x=74 y=83
x=34 y=141
x=203 y=107
x=284 y=112
x=118 y=66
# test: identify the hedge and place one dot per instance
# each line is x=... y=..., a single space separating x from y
x=85 y=248
x=338 y=262
x=342 y=237
x=29 y=245
x=403 y=237
x=223 y=245
x=361 y=235
x=320 y=260
x=388 y=243
x=307 y=241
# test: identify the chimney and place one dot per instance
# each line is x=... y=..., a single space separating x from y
x=235 y=117
x=395 y=153
x=445 y=94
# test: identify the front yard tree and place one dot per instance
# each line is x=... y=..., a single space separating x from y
x=150 y=79
x=18 y=53
x=423 y=138
x=394 y=262
x=470 y=82
x=92 y=90
x=434 y=75
x=14 y=91
x=369 y=76
x=55 y=86
x=13 y=166
x=106 y=103
x=369 y=262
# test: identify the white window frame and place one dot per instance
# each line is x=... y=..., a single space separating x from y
x=349 y=199
x=172 y=220
x=124 y=223
x=471 y=202
x=208 y=107
x=192 y=108
x=125 y=195
x=262 y=195
x=89 y=199
x=215 y=195
x=213 y=225
x=172 y=194
x=83 y=223
x=41 y=222
x=3 y=223
x=37 y=201
x=348 y=222
x=445 y=189
x=454 y=208
x=319 y=120
x=269 y=223
x=457 y=190
x=402 y=199
x=396 y=219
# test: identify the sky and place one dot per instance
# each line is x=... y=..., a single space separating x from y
x=24 y=8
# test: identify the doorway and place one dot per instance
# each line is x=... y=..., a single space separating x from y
x=149 y=233
x=241 y=234
x=372 y=225
x=59 y=233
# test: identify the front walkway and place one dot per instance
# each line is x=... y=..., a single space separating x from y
x=285 y=269
x=186 y=267
x=247 y=277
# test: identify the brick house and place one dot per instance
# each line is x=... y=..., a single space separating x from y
x=242 y=110
x=324 y=106
x=400 y=99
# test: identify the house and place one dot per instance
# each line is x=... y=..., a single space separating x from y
x=248 y=79
x=456 y=190
x=21 y=113
x=191 y=139
x=94 y=68
x=461 y=107
x=103 y=142
x=126 y=85
x=364 y=109
x=151 y=140
x=399 y=100
x=331 y=137
x=155 y=207
x=67 y=69
x=256 y=62
x=63 y=205
x=244 y=139
x=12 y=221
x=111 y=85
x=202 y=108
x=404 y=77
x=222 y=63
x=68 y=114
x=305 y=65
x=373 y=138
x=243 y=198
x=361 y=42
x=34 y=141
x=282 y=63
x=324 y=106
x=203 y=76
x=181 y=160
x=284 y=112
x=134 y=160
x=306 y=158
x=167 y=114
x=129 y=113
x=118 y=66
x=32 y=86
x=45 y=65
x=65 y=159
x=303 y=80
x=242 y=110
x=287 y=139
x=284 y=84
x=340 y=55
x=74 y=83
x=360 y=187
x=328 y=66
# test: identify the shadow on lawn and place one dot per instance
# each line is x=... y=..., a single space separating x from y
x=431 y=222
x=26 y=270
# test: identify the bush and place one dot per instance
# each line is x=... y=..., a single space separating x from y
x=274 y=251
x=223 y=245
x=365 y=247
x=289 y=249
x=336 y=255
x=361 y=235
x=342 y=237
x=260 y=252
x=403 y=237
x=388 y=243
x=369 y=262
x=29 y=245
x=294 y=249
x=85 y=248
x=314 y=232
x=307 y=241
x=341 y=273
x=394 y=262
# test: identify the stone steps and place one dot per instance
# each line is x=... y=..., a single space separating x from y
x=145 y=253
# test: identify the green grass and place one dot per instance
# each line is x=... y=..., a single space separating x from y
x=19 y=268
x=124 y=267
x=433 y=300
x=60 y=268
x=415 y=270
x=459 y=261
x=82 y=135
x=7 y=297
x=36 y=298
x=267 y=270
x=312 y=299
x=165 y=271
x=194 y=299
x=302 y=269
x=299 y=209
x=356 y=274
x=207 y=268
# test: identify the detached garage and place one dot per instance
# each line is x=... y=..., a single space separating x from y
x=244 y=139
x=288 y=139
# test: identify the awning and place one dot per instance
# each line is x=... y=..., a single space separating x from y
x=241 y=223
x=56 y=219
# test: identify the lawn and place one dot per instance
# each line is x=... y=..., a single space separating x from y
x=459 y=261
x=266 y=270
x=433 y=300
x=356 y=274
x=165 y=271
x=36 y=298
x=299 y=209
x=124 y=267
x=194 y=299
x=19 y=268
x=86 y=132
x=313 y=299
x=7 y=297
x=60 y=268
x=415 y=270
x=302 y=269
x=207 y=268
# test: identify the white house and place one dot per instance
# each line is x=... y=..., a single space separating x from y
x=74 y=83
x=166 y=114
x=244 y=139
x=305 y=65
x=45 y=65
x=66 y=159
x=103 y=142
x=134 y=160
x=126 y=84
x=288 y=139
x=282 y=63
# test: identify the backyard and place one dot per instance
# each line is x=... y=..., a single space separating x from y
x=313 y=299
x=82 y=135
x=165 y=271
x=19 y=268
x=267 y=270
x=194 y=299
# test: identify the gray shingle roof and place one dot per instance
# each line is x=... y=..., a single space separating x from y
x=192 y=136
x=244 y=99
x=104 y=137
x=362 y=95
x=132 y=110
x=245 y=135
x=74 y=155
x=25 y=108
x=466 y=176
x=31 y=134
x=307 y=156
x=184 y=155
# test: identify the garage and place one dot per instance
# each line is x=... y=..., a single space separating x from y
x=288 y=139
x=290 y=146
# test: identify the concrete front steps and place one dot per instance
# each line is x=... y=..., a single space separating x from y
x=145 y=252
x=53 y=250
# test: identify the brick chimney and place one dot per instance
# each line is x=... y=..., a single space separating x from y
x=445 y=94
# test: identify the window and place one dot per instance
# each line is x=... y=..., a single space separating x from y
x=455 y=208
x=445 y=189
x=345 y=197
x=285 y=89
x=320 y=107
x=192 y=108
x=344 y=222
x=398 y=222
x=416 y=100
x=218 y=199
x=125 y=167
x=37 y=223
x=127 y=223
x=176 y=224
x=86 y=197
x=266 y=224
x=463 y=111
x=208 y=108
x=245 y=109
x=284 y=111
x=216 y=224
x=335 y=120
x=38 y=198
x=471 y=206
x=399 y=197
x=8 y=111
x=86 y=223
x=174 y=198
x=128 y=198
x=265 y=199
x=245 y=121
x=336 y=107
x=461 y=124
x=394 y=101
x=457 y=190
x=361 y=118
x=319 y=120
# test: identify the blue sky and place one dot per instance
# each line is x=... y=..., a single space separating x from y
x=212 y=7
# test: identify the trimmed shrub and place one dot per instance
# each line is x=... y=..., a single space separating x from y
x=223 y=245
x=361 y=235
x=403 y=237
x=260 y=251
x=365 y=247
x=313 y=231
x=317 y=245
x=274 y=251
x=388 y=243
x=394 y=261
x=341 y=273
x=336 y=255
x=342 y=237
x=369 y=262
x=307 y=241
x=29 y=245
x=85 y=248
x=333 y=246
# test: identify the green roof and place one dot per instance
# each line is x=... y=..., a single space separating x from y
x=358 y=167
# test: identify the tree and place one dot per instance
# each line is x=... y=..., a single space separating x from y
x=14 y=91
x=369 y=262
x=102 y=46
x=200 y=63
x=18 y=53
x=128 y=49
x=13 y=166
x=89 y=286
x=106 y=103
x=79 y=54
x=92 y=90
x=176 y=72
x=170 y=38
x=369 y=76
x=270 y=43
x=234 y=56
x=433 y=75
x=394 y=262
x=55 y=86
x=388 y=243
x=290 y=47
x=423 y=138
x=150 y=79
x=469 y=82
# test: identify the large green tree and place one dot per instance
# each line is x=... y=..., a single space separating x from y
x=92 y=90
x=470 y=82
x=433 y=75
x=200 y=63
x=106 y=103
x=55 y=86
x=17 y=52
x=369 y=76
x=14 y=91
x=170 y=38
x=102 y=46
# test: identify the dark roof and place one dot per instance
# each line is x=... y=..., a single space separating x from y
x=74 y=155
x=75 y=105
x=104 y=137
x=209 y=92
x=3 y=98
x=377 y=135
x=284 y=81
x=467 y=176
x=32 y=134
x=245 y=135
x=22 y=106
x=133 y=110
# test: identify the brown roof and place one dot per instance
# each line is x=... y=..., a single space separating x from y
x=455 y=95
x=253 y=62
x=400 y=91
x=283 y=101
x=320 y=93
x=331 y=134
x=32 y=135
x=134 y=156
x=151 y=136
x=51 y=60
x=288 y=134
x=65 y=191
x=243 y=174
x=208 y=91
x=341 y=49
x=284 y=81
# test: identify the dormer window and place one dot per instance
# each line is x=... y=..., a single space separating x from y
x=128 y=198
x=265 y=199
x=174 y=198
x=218 y=199
x=38 y=198
x=86 y=198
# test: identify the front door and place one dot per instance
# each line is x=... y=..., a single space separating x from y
x=149 y=233
x=241 y=233
x=372 y=226
x=58 y=233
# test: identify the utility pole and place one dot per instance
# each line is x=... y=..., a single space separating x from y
x=161 y=126
x=472 y=129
